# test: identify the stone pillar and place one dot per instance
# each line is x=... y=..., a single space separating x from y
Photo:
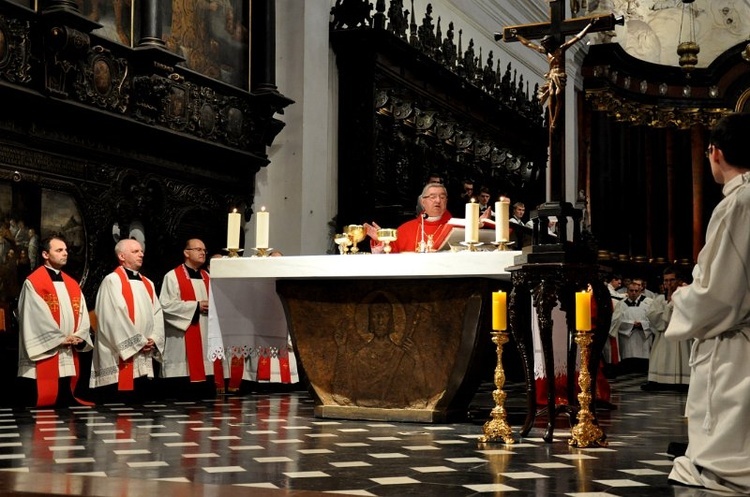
x=262 y=46
x=151 y=24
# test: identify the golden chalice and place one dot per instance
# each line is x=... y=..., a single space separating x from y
x=343 y=241
x=387 y=235
x=356 y=234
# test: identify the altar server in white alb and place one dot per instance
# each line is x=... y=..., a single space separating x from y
x=184 y=301
x=714 y=311
x=130 y=331
x=54 y=328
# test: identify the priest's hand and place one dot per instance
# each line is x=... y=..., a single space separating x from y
x=372 y=230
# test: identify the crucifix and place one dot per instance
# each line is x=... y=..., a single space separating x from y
x=553 y=44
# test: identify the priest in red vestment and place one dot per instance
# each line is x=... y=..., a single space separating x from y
x=424 y=233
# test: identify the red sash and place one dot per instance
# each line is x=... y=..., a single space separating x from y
x=48 y=370
x=193 y=341
x=125 y=376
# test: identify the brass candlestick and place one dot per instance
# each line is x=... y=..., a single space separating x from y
x=501 y=245
x=472 y=246
x=585 y=433
x=498 y=428
x=262 y=252
x=233 y=252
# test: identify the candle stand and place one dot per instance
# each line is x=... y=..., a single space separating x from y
x=262 y=252
x=586 y=433
x=501 y=245
x=472 y=246
x=497 y=428
x=233 y=252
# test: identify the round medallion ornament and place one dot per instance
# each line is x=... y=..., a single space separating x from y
x=207 y=121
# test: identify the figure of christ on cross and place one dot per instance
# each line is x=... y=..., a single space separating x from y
x=553 y=45
x=556 y=76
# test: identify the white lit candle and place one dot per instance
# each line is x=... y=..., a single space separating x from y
x=502 y=219
x=261 y=229
x=233 y=230
x=471 y=233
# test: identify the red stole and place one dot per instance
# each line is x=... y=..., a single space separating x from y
x=125 y=376
x=48 y=370
x=193 y=341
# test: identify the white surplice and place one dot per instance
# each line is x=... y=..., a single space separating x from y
x=715 y=311
x=669 y=362
x=178 y=314
x=633 y=342
x=41 y=337
x=118 y=337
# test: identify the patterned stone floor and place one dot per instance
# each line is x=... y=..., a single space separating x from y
x=270 y=444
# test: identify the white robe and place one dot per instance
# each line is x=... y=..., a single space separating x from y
x=633 y=343
x=715 y=311
x=669 y=362
x=118 y=337
x=178 y=314
x=40 y=336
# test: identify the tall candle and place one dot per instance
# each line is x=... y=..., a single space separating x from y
x=583 y=311
x=471 y=233
x=233 y=229
x=499 y=311
x=261 y=228
x=502 y=220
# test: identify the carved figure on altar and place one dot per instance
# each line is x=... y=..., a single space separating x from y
x=375 y=357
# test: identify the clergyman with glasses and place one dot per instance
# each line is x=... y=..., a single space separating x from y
x=184 y=302
x=424 y=233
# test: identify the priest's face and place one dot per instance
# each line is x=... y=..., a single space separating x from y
x=132 y=255
x=435 y=201
x=57 y=256
x=195 y=253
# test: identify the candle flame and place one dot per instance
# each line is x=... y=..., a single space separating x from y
x=234 y=211
x=263 y=209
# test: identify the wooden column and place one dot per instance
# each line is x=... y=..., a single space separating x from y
x=669 y=144
x=151 y=24
x=263 y=45
x=698 y=163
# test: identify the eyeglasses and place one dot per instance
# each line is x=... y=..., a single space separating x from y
x=197 y=249
x=709 y=151
x=434 y=197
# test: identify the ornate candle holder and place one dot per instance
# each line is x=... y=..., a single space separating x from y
x=472 y=246
x=356 y=233
x=585 y=433
x=387 y=235
x=501 y=245
x=262 y=252
x=343 y=241
x=233 y=252
x=498 y=428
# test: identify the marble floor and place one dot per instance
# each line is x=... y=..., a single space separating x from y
x=270 y=444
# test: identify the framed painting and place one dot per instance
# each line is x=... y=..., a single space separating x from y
x=28 y=214
x=115 y=16
x=212 y=36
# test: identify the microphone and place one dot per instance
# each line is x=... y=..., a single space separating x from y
x=423 y=244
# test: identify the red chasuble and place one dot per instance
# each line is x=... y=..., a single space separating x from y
x=410 y=233
x=47 y=370
x=125 y=376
